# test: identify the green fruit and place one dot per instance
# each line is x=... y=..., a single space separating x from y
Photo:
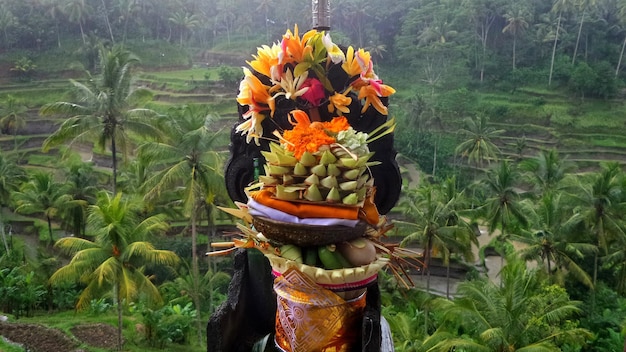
x=300 y=170
x=287 y=193
x=351 y=174
x=348 y=185
x=328 y=258
x=333 y=170
x=364 y=158
x=328 y=158
x=270 y=157
x=361 y=193
x=313 y=194
x=308 y=159
x=362 y=180
x=278 y=170
x=267 y=180
x=333 y=196
x=312 y=180
x=310 y=256
x=291 y=252
x=287 y=179
x=345 y=263
x=319 y=170
x=348 y=162
x=287 y=160
x=329 y=182
x=350 y=199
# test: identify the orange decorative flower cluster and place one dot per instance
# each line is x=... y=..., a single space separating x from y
x=310 y=136
x=293 y=74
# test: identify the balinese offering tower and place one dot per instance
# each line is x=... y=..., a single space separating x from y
x=312 y=171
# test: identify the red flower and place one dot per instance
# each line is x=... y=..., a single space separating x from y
x=316 y=92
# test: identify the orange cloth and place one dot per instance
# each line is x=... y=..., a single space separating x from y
x=305 y=210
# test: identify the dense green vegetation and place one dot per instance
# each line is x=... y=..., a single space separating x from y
x=512 y=111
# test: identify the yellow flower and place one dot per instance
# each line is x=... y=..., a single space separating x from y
x=266 y=58
x=340 y=102
x=358 y=63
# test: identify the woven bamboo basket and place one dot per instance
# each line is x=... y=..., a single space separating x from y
x=307 y=235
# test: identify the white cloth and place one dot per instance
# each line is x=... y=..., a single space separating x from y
x=257 y=209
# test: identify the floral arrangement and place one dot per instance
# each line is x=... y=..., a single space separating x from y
x=321 y=161
x=294 y=74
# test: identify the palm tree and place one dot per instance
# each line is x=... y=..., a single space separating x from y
x=478 y=146
x=78 y=11
x=52 y=10
x=188 y=162
x=521 y=315
x=183 y=288
x=546 y=171
x=559 y=6
x=114 y=261
x=516 y=23
x=11 y=178
x=621 y=13
x=583 y=6
x=601 y=209
x=42 y=194
x=12 y=116
x=549 y=238
x=435 y=224
x=107 y=112
x=185 y=22
x=7 y=20
x=83 y=186
x=128 y=9
x=502 y=208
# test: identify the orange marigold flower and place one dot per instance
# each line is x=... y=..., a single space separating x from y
x=305 y=136
x=337 y=124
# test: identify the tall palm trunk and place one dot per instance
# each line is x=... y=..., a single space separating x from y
x=51 y=239
x=195 y=271
x=556 y=40
x=106 y=20
x=621 y=55
x=514 y=45
x=82 y=32
x=580 y=29
x=114 y=160
x=120 y=323
x=448 y=280
x=427 y=257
